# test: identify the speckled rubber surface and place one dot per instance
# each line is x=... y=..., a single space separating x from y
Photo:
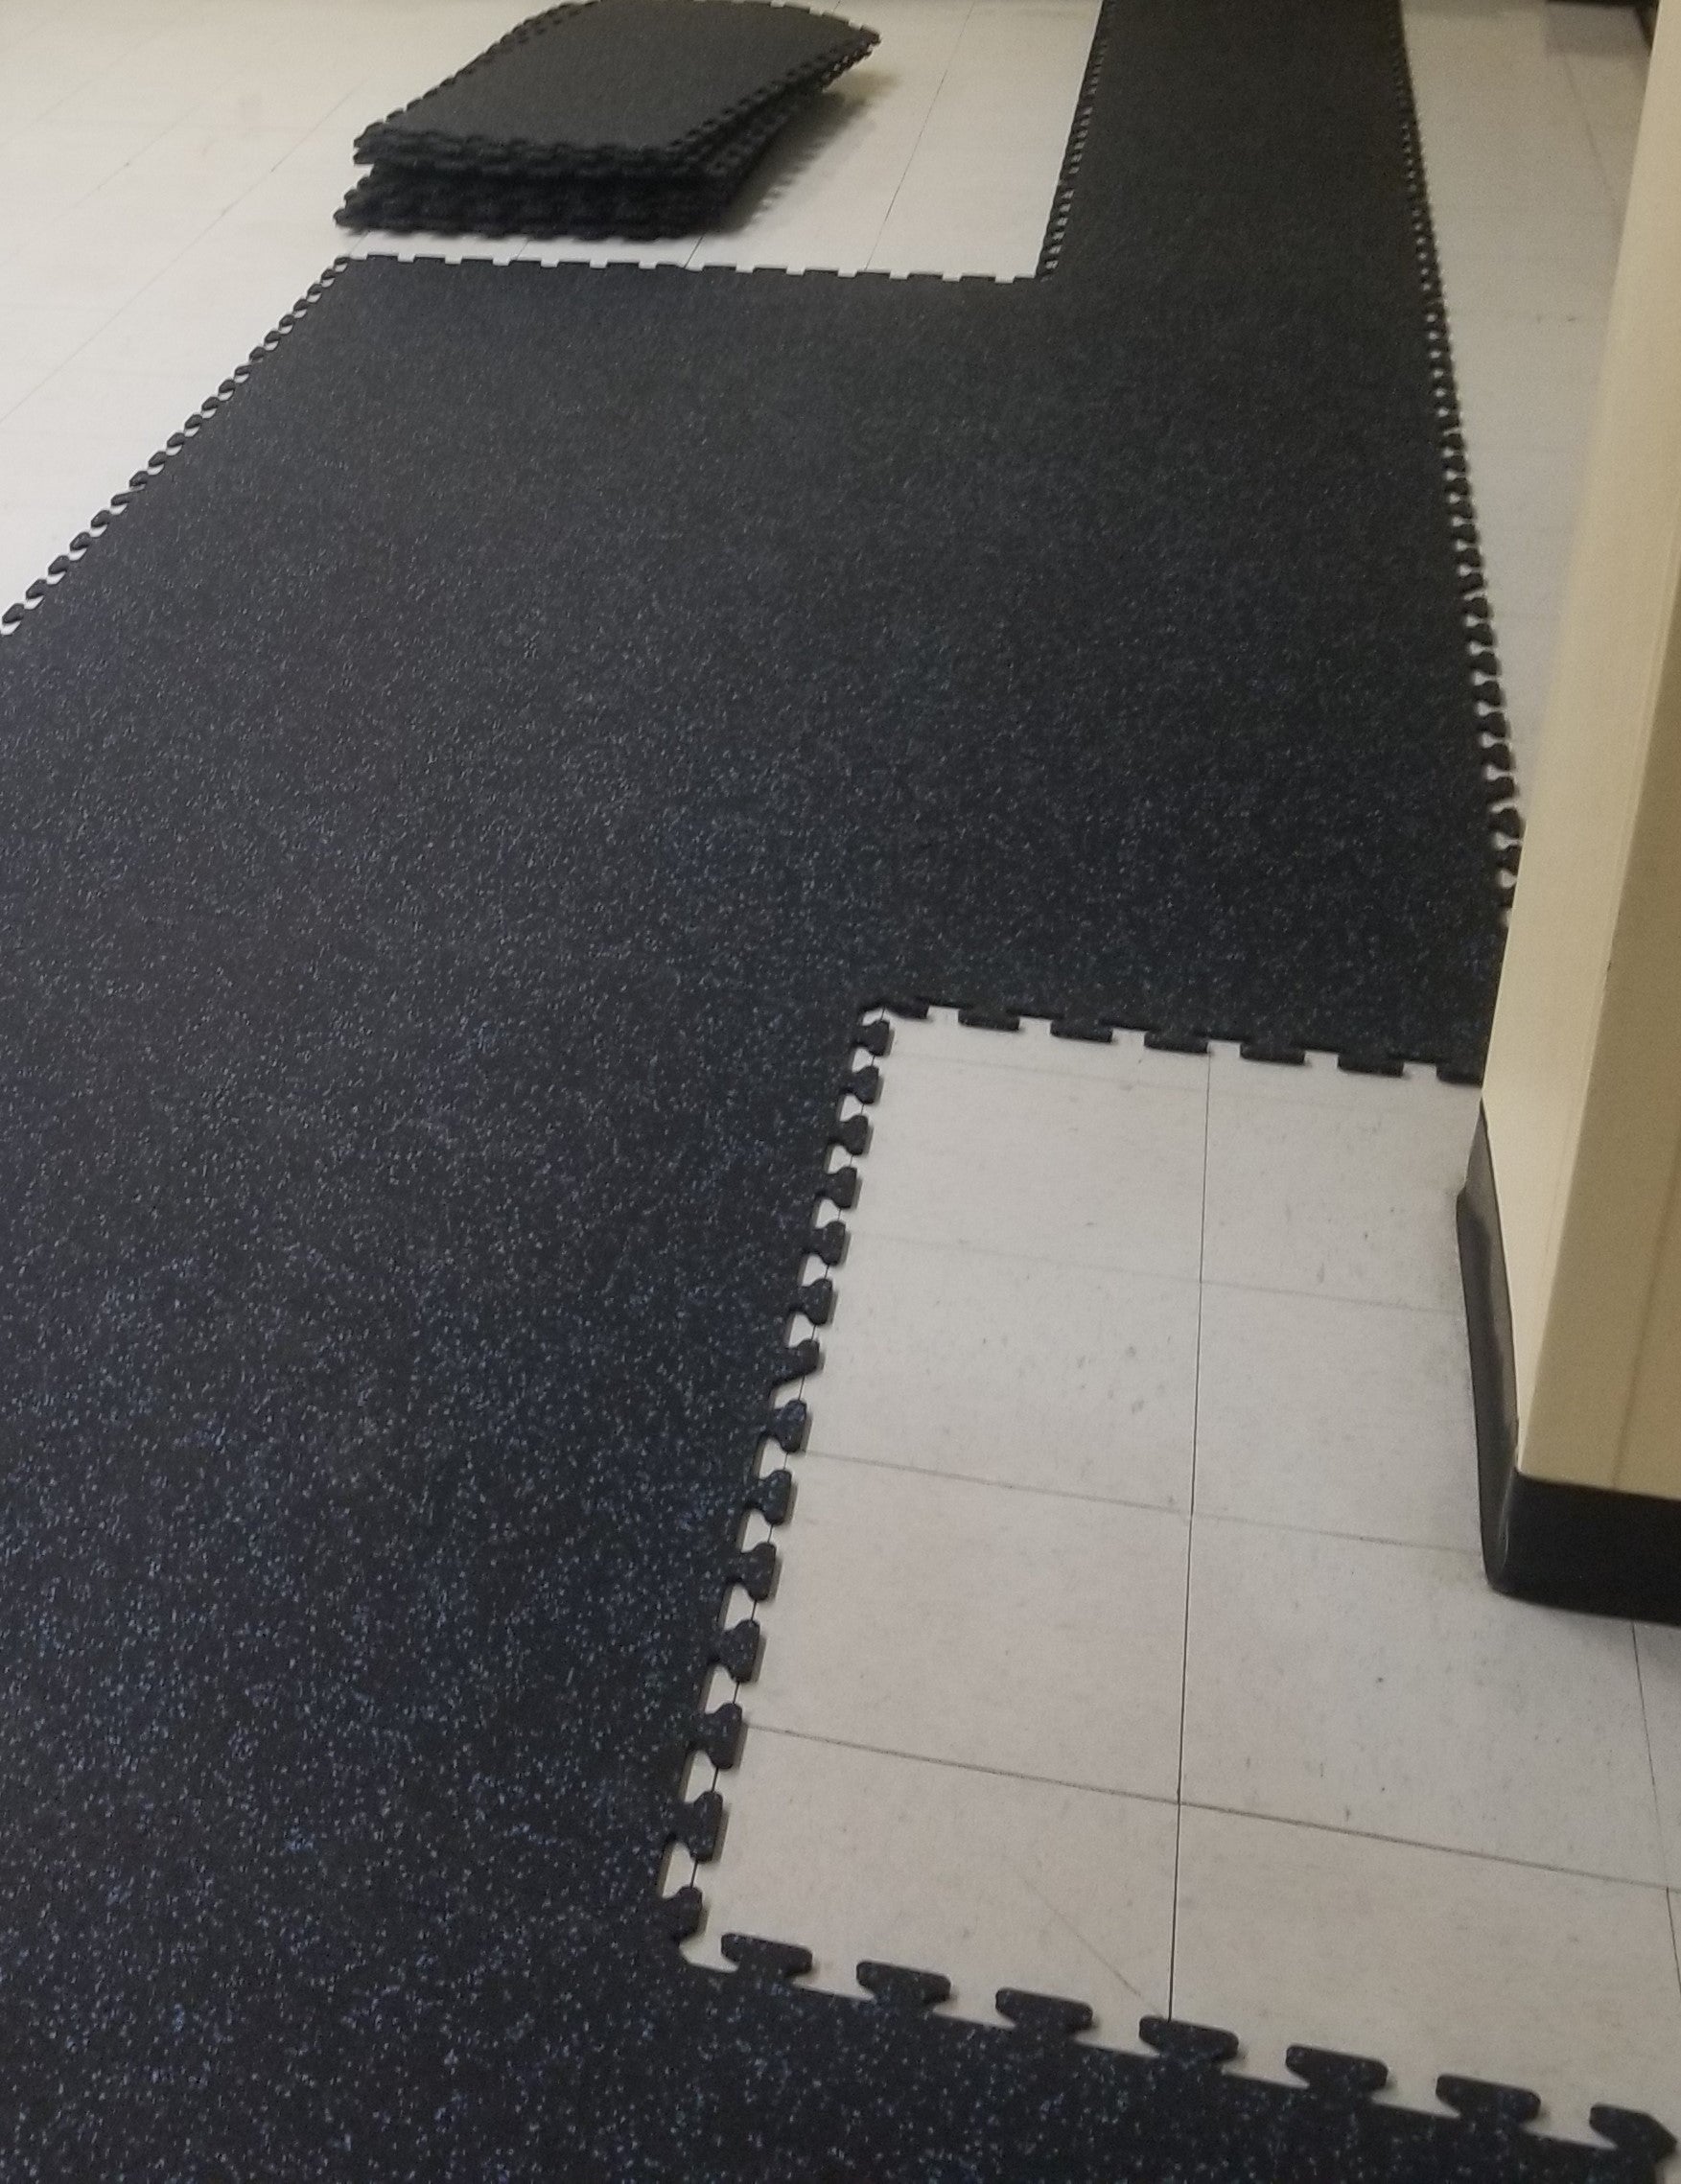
x=451 y=820
x=445 y=200
x=403 y=200
x=616 y=87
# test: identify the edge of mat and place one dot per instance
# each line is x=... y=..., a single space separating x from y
x=1496 y=762
x=388 y=141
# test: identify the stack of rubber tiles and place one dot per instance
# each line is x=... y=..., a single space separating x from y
x=636 y=117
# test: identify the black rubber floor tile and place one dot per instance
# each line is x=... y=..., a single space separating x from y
x=448 y=201
x=452 y=817
x=617 y=86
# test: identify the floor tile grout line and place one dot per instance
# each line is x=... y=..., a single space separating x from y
x=1651 y=1757
x=1658 y=1887
x=1004 y=1485
x=959 y=1766
x=1612 y=194
x=923 y=1242
x=832 y=1455
x=1421 y=1843
x=1471 y=1554
x=889 y=1234
x=1454 y=1312
x=868 y=263
x=1142 y=1274
x=119 y=62
x=1179 y=1800
x=1671 y=1899
x=1327 y=1296
x=166 y=267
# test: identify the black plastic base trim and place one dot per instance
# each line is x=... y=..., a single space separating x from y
x=1586 y=1547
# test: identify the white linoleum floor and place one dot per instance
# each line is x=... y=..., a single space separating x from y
x=1131 y=1641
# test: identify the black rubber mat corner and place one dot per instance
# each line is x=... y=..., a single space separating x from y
x=455 y=200
x=615 y=88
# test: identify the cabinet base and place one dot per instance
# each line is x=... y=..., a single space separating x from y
x=1569 y=1546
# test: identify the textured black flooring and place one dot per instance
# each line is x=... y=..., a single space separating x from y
x=443 y=200
x=619 y=117
x=617 y=86
x=449 y=824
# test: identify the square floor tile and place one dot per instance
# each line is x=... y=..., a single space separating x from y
x=1585 y=234
x=1517 y=498
x=994 y=1882
x=1526 y=674
x=1529 y=160
x=1335 y=1184
x=1607 y=64
x=1527 y=569
x=1336 y=1417
x=35 y=338
x=140 y=408
x=1073 y=1168
x=33 y=534
x=1389 y=1691
x=97 y=257
x=1026 y=1634
x=87 y=468
x=1660 y=1679
x=1519 y=383
x=1431 y=1961
x=1014 y=78
x=1071 y=1379
x=1572 y=282
x=1615 y=148
x=205 y=344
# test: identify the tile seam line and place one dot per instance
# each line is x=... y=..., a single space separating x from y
x=1331 y=1532
x=1179 y=1828
x=1660 y=1887
x=1455 y=1314
x=1004 y=1485
x=1592 y=135
x=888 y=1233
x=1646 y=1722
x=1672 y=1895
x=1442 y=1850
x=143 y=39
x=1339 y=1296
x=146 y=287
x=869 y=265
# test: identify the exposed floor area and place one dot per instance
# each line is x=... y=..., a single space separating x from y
x=1131 y=1641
